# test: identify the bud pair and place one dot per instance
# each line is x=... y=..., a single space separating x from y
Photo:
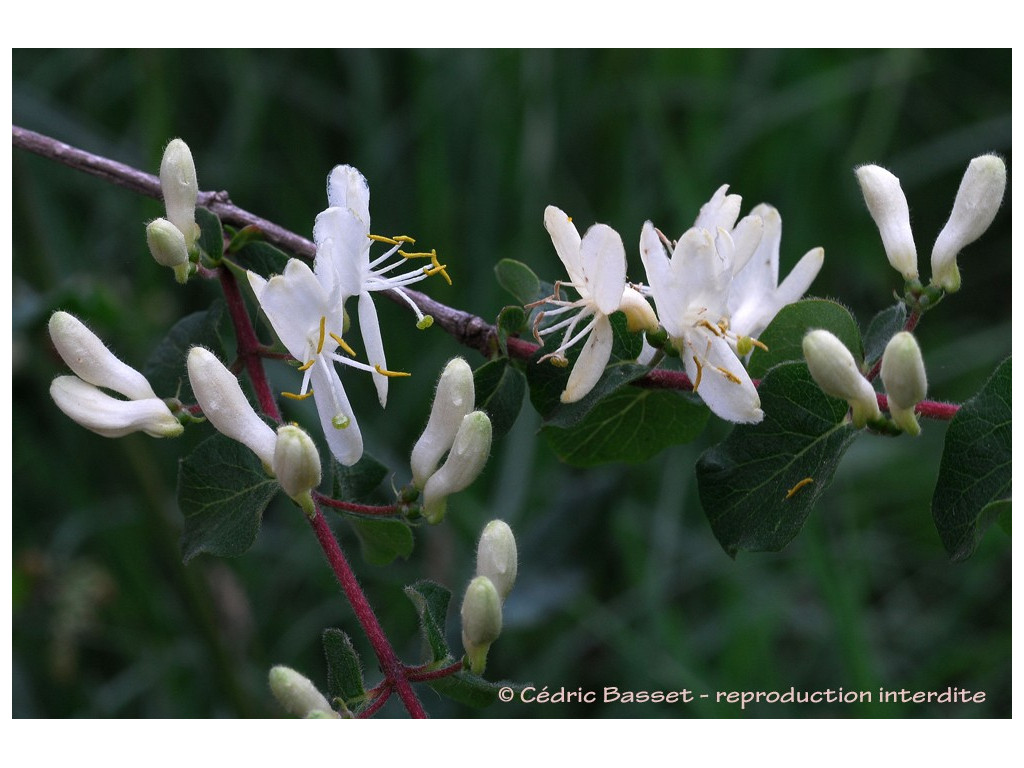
x=496 y=568
x=171 y=239
x=81 y=398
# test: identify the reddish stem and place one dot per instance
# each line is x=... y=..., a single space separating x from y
x=391 y=666
x=382 y=696
x=362 y=509
x=419 y=674
x=930 y=409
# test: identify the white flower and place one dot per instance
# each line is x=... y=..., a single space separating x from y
x=167 y=246
x=597 y=271
x=306 y=319
x=481 y=621
x=454 y=399
x=297 y=694
x=755 y=296
x=833 y=368
x=691 y=291
x=343 y=240
x=180 y=189
x=466 y=459
x=80 y=397
x=905 y=380
x=497 y=557
x=888 y=207
x=296 y=461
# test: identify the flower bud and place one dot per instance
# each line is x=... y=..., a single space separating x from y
x=180 y=189
x=639 y=312
x=105 y=415
x=481 y=621
x=832 y=366
x=296 y=461
x=226 y=407
x=167 y=245
x=496 y=556
x=976 y=204
x=297 y=694
x=89 y=357
x=453 y=400
x=888 y=207
x=904 y=379
x=465 y=461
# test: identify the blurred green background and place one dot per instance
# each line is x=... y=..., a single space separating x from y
x=621 y=581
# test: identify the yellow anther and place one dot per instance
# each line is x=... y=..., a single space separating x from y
x=390 y=374
x=724 y=324
x=425 y=323
x=560 y=361
x=569 y=218
x=728 y=374
x=758 y=344
x=417 y=255
x=293 y=396
x=323 y=329
x=343 y=344
x=713 y=328
x=382 y=239
x=308 y=365
x=405 y=239
x=700 y=372
x=792 y=491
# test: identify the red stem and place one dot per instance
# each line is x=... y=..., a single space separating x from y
x=419 y=675
x=930 y=409
x=391 y=666
x=362 y=509
x=382 y=696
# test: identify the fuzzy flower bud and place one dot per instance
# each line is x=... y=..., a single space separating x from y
x=465 y=461
x=97 y=411
x=167 y=245
x=180 y=189
x=481 y=621
x=888 y=207
x=296 y=461
x=639 y=312
x=832 y=366
x=976 y=204
x=297 y=694
x=453 y=400
x=226 y=407
x=496 y=556
x=904 y=379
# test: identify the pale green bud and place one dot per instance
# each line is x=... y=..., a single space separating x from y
x=296 y=461
x=976 y=204
x=167 y=245
x=180 y=189
x=481 y=621
x=905 y=381
x=297 y=694
x=832 y=366
x=888 y=207
x=496 y=556
x=465 y=461
x=97 y=411
x=226 y=407
x=453 y=400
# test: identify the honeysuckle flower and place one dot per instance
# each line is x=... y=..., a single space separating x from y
x=466 y=459
x=904 y=379
x=755 y=295
x=180 y=189
x=454 y=399
x=691 y=291
x=297 y=694
x=833 y=368
x=888 y=207
x=95 y=366
x=497 y=558
x=596 y=264
x=167 y=245
x=343 y=240
x=226 y=407
x=296 y=461
x=481 y=621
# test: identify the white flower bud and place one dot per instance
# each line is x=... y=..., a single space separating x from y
x=888 y=207
x=226 y=406
x=296 y=461
x=832 y=366
x=481 y=621
x=905 y=381
x=89 y=357
x=976 y=204
x=105 y=415
x=167 y=246
x=465 y=461
x=180 y=189
x=496 y=556
x=453 y=400
x=639 y=312
x=297 y=694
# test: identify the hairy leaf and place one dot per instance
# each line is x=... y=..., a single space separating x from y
x=211 y=234
x=358 y=481
x=883 y=327
x=382 y=540
x=519 y=280
x=500 y=387
x=165 y=368
x=469 y=689
x=344 y=671
x=431 y=601
x=784 y=336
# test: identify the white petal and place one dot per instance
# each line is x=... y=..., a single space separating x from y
x=369 y=327
x=257 y=283
x=746 y=237
x=345 y=442
x=800 y=277
x=566 y=240
x=347 y=188
x=888 y=207
x=294 y=303
x=342 y=251
x=591 y=363
x=661 y=280
x=735 y=401
x=603 y=258
x=699 y=274
x=721 y=210
x=105 y=415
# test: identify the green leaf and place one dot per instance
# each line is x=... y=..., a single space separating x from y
x=754 y=485
x=244 y=236
x=222 y=492
x=784 y=337
x=344 y=671
x=975 y=471
x=511 y=321
x=211 y=234
x=358 y=481
x=431 y=601
x=469 y=689
x=1003 y=512
x=165 y=368
x=883 y=327
x=382 y=540
x=260 y=257
x=519 y=280
x=632 y=424
x=500 y=387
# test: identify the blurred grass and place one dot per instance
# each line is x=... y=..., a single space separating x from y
x=621 y=582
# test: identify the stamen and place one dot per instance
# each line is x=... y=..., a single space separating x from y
x=713 y=328
x=343 y=344
x=382 y=239
x=293 y=396
x=419 y=255
x=792 y=491
x=340 y=421
x=728 y=374
x=758 y=344
x=404 y=239
x=700 y=372
x=390 y=374
x=308 y=365
x=424 y=322
x=323 y=329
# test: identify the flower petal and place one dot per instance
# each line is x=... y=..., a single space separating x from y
x=97 y=411
x=731 y=397
x=566 y=240
x=347 y=188
x=800 y=277
x=369 y=327
x=591 y=363
x=336 y=415
x=721 y=210
x=342 y=251
x=603 y=258
x=294 y=303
